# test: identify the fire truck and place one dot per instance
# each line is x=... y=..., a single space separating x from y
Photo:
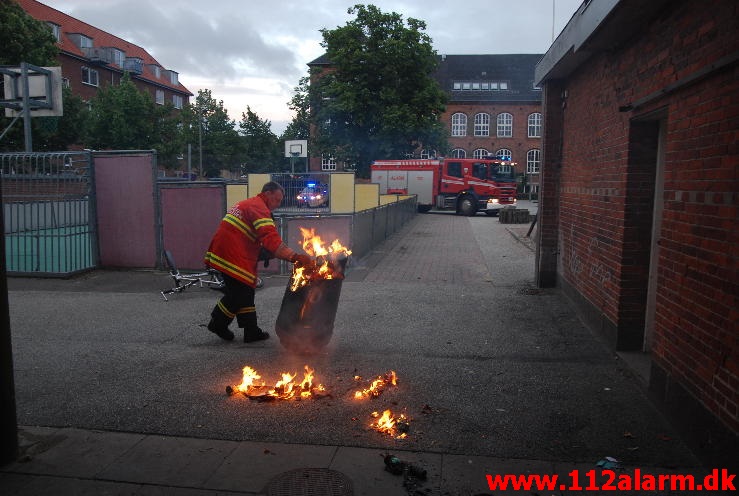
x=465 y=185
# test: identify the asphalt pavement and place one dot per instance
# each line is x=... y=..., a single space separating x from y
x=119 y=392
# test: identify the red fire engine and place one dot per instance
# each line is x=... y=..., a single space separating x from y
x=464 y=184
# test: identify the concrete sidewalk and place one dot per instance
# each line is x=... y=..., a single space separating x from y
x=119 y=392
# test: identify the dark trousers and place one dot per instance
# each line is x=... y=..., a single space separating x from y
x=237 y=302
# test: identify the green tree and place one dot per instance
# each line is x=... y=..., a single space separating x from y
x=58 y=133
x=212 y=134
x=121 y=118
x=260 y=144
x=299 y=127
x=24 y=39
x=380 y=99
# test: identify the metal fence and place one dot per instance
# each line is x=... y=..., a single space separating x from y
x=305 y=193
x=48 y=213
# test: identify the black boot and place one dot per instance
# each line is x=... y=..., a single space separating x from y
x=218 y=325
x=252 y=332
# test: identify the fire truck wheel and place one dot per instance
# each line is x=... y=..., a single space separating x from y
x=467 y=206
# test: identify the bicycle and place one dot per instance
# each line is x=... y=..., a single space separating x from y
x=209 y=278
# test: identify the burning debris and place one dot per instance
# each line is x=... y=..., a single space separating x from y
x=377 y=386
x=386 y=423
x=285 y=389
x=330 y=261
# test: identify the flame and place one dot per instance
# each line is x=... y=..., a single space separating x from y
x=377 y=386
x=390 y=425
x=326 y=258
x=286 y=388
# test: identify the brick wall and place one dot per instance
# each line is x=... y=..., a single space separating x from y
x=676 y=78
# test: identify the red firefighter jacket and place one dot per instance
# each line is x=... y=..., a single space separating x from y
x=234 y=249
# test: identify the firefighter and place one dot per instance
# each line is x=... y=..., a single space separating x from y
x=247 y=229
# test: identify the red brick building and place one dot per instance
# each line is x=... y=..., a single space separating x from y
x=91 y=58
x=493 y=107
x=639 y=205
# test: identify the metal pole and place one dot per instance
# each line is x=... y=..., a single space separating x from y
x=189 y=162
x=8 y=419
x=200 y=139
x=26 y=108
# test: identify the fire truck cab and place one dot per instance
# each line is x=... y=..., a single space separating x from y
x=464 y=185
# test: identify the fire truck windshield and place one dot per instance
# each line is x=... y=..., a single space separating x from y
x=502 y=173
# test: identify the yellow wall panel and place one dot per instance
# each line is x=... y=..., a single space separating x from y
x=342 y=193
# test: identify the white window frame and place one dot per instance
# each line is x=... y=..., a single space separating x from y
x=533 y=161
x=85 y=41
x=459 y=153
x=426 y=153
x=505 y=125
x=56 y=30
x=159 y=97
x=177 y=101
x=90 y=76
x=118 y=57
x=482 y=124
x=459 y=124
x=480 y=153
x=328 y=163
x=174 y=78
x=504 y=152
x=534 y=125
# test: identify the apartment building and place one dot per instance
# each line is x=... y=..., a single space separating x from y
x=91 y=58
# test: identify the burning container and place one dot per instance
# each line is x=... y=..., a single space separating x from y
x=306 y=319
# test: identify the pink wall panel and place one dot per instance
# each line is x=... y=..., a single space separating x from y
x=125 y=210
x=190 y=216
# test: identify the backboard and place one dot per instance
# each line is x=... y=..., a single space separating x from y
x=296 y=148
x=44 y=91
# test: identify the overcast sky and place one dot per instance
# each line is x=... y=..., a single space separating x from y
x=253 y=52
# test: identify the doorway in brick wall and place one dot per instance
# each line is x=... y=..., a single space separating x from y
x=644 y=205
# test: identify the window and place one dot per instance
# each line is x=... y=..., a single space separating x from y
x=173 y=77
x=504 y=154
x=454 y=169
x=535 y=125
x=328 y=163
x=459 y=125
x=55 y=30
x=503 y=85
x=533 y=159
x=480 y=170
x=459 y=153
x=482 y=124
x=160 y=97
x=85 y=41
x=156 y=70
x=480 y=153
x=428 y=153
x=90 y=76
x=118 y=57
x=177 y=101
x=505 y=125
x=66 y=83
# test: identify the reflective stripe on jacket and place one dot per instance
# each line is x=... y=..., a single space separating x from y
x=234 y=249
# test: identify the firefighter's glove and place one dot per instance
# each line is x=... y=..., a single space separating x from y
x=301 y=260
x=265 y=255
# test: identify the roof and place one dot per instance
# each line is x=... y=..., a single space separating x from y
x=70 y=25
x=517 y=70
x=594 y=27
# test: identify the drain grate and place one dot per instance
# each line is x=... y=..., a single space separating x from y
x=310 y=482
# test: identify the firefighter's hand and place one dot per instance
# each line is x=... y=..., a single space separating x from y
x=301 y=260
